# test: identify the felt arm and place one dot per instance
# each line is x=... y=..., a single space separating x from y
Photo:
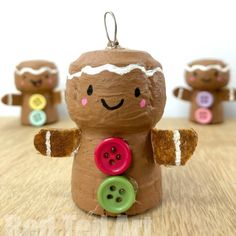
x=58 y=97
x=228 y=94
x=173 y=147
x=57 y=142
x=12 y=99
x=183 y=94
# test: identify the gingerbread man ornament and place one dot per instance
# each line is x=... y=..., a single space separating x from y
x=116 y=96
x=36 y=80
x=207 y=79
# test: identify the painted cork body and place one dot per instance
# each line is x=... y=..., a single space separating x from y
x=207 y=79
x=116 y=97
x=143 y=173
x=36 y=81
x=141 y=107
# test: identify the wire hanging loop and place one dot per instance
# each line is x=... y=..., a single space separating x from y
x=111 y=43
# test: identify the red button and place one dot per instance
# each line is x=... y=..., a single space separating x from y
x=203 y=116
x=113 y=156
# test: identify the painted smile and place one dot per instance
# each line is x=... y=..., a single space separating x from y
x=205 y=80
x=113 y=107
x=36 y=83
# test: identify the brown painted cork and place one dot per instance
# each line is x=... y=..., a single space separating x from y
x=207 y=80
x=36 y=78
x=117 y=93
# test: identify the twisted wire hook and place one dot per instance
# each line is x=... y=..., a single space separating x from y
x=111 y=43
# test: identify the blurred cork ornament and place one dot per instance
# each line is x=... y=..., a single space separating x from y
x=36 y=80
x=208 y=79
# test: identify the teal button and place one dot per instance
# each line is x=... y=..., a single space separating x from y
x=37 y=118
x=116 y=194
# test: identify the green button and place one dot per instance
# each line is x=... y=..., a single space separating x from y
x=37 y=118
x=116 y=194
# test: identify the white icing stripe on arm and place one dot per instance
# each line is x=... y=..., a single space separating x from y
x=36 y=71
x=180 y=93
x=231 y=94
x=114 y=69
x=62 y=96
x=48 y=143
x=73 y=154
x=206 y=68
x=176 y=139
x=9 y=99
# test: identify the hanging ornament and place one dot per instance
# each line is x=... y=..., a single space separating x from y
x=116 y=96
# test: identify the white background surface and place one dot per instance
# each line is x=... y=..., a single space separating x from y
x=174 y=32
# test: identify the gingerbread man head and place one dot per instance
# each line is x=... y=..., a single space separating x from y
x=207 y=74
x=118 y=90
x=35 y=76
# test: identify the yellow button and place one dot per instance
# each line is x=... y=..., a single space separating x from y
x=37 y=102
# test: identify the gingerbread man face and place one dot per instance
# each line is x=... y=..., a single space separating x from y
x=117 y=97
x=35 y=76
x=207 y=74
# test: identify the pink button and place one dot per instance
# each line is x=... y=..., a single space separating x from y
x=203 y=116
x=204 y=99
x=113 y=156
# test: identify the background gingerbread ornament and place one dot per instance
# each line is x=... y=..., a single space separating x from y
x=36 y=80
x=116 y=96
x=207 y=79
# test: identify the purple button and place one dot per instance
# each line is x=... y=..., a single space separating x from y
x=204 y=99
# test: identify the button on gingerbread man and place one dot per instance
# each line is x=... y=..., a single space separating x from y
x=208 y=79
x=36 y=80
x=116 y=97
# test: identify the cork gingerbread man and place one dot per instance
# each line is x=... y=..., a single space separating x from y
x=36 y=80
x=116 y=96
x=207 y=79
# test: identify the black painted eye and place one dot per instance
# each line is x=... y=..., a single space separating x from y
x=216 y=73
x=137 y=92
x=195 y=73
x=46 y=76
x=90 y=90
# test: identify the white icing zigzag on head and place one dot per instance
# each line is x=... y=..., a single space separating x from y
x=206 y=68
x=114 y=69
x=36 y=71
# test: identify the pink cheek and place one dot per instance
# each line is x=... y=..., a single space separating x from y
x=22 y=83
x=142 y=103
x=220 y=79
x=192 y=79
x=50 y=81
x=84 y=101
